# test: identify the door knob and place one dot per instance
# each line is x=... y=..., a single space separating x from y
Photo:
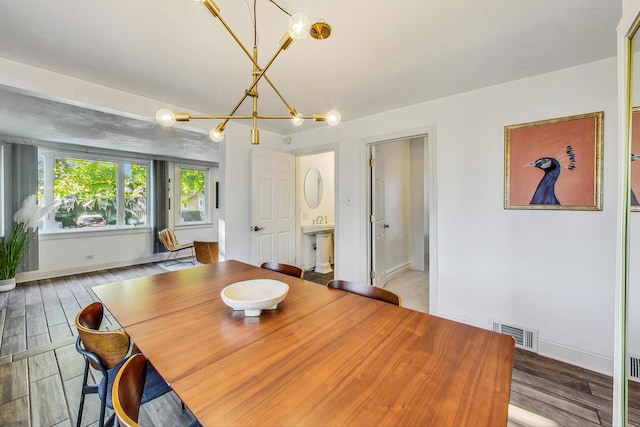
x=256 y=228
x=386 y=226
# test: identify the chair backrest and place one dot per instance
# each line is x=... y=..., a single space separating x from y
x=365 y=290
x=206 y=252
x=287 y=269
x=127 y=390
x=110 y=346
x=168 y=238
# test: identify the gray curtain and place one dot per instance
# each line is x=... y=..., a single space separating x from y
x=160 y=201
x=20 y=181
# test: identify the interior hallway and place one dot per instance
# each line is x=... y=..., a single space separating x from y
x=413 y=288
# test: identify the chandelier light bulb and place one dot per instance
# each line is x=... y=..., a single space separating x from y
x=215 y=135
x=297 y=120
x=299 y=26
x=333 y=117
x=165 y=117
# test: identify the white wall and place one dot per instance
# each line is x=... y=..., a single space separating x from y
x=419 y=206
x=552 y=271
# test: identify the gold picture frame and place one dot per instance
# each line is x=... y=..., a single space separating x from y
x=554 y=164
x=634 y=168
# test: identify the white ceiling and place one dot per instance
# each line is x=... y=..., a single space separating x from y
x=380 y=56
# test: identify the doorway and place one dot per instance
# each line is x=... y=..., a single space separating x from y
x=315 y=214
x=399 y=218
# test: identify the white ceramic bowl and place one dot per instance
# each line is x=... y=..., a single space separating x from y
x=253 y=296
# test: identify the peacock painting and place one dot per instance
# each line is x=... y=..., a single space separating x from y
x=634 y=200
x=545 y=193
x=556 y=164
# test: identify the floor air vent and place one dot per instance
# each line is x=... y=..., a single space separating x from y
x=634 y=368
x=525 y=338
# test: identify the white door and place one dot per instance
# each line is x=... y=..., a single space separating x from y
x=378 y=226
x=272 y=206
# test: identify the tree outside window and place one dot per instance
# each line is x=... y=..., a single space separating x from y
x=93 y=193
x=193 y=195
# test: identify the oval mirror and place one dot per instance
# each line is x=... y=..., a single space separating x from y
x=313 y=188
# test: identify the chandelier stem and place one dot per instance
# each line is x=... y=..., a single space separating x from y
x=255 y=137
x=257 y=75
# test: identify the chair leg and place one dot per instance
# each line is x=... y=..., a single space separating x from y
x=83 y=392
x=103 y=404
x=171 y=258
x=112 y=421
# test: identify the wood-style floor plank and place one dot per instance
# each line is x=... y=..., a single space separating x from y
x=13 y=344
x=38 y=340
x=48 y=406
x=559 y=389
x=15 y=413
x=14 y=381
x=560 y=417
x=586 y=413
x=42 y=365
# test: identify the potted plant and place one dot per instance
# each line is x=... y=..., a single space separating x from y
x=13 y=245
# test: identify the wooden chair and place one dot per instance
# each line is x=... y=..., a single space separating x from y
x=206 y=252
x=290 y=270
x=170 y=242
x=366 y=290
x=128 y=391
x=106 y=351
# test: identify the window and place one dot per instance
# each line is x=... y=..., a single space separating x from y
x=2 y=172
x=194 y=194
x=135 y=194
x=92 y=193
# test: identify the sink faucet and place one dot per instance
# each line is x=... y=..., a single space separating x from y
x=319 y=219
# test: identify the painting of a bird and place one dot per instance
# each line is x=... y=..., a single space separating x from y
x=545 y=193
x=634 y=200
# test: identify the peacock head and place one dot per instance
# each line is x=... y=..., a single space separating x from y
x=546 y=164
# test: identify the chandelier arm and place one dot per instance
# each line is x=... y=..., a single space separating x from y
x=208 y=117
x=292 y=110
x=235 y=37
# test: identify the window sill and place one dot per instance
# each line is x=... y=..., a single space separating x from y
x=91 y=232
x=194 y=225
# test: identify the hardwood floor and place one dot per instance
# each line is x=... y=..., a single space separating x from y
x=320 y=278
x=41 y=372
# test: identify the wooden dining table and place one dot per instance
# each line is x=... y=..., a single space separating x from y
x=323 y=357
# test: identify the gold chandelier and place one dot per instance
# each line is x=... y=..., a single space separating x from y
x=299 y=27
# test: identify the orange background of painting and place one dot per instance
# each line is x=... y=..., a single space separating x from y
x=528 y=144
x=635 y=149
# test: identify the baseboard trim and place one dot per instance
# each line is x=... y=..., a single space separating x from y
x=573 y=356
x=396 y=270
x=584 y=359
x=40 y=275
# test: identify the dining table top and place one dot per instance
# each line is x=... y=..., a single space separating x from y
x=323 y=357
